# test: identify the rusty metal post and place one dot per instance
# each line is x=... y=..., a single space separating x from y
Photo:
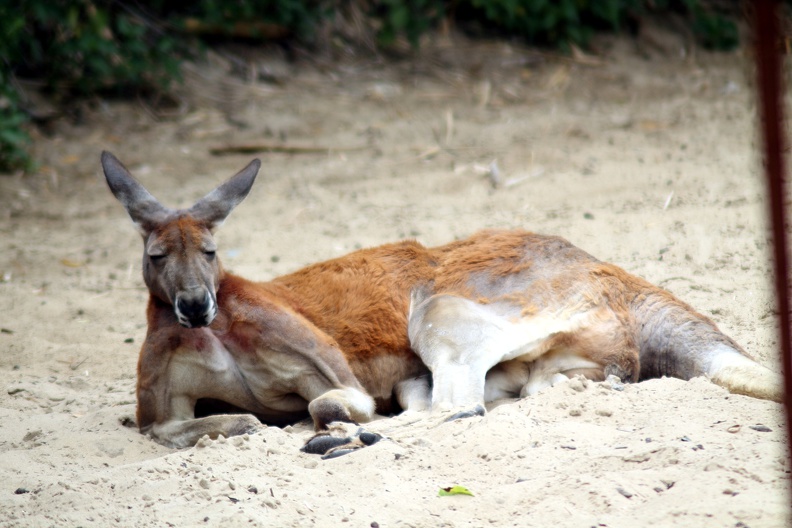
x=768 y=68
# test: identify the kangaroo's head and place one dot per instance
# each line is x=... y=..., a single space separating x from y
x=180 y=266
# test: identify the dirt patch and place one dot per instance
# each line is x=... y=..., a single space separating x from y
x=644 y=157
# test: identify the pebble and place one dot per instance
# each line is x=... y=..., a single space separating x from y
x=613 y=382
x=625 y=492
x=761 y=428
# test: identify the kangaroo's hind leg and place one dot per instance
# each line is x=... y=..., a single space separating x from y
x=460 y=340
x=604 y=346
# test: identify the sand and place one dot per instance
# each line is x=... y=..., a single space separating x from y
x=644 y=156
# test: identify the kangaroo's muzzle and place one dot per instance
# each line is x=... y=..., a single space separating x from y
x=195 y=308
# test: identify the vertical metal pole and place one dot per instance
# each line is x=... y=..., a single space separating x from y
x=768 y=68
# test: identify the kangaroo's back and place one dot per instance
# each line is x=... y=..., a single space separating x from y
x=362 y=299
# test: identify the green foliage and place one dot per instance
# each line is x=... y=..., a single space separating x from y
x=716 y=32
x=409 y=17
x=299 y=16
x=82 y=47
x=555 y=22
x=713 y=30
x=85 y=47
x=13 y=138
x=77 y=48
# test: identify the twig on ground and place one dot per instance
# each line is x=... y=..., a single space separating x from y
x=252 y=148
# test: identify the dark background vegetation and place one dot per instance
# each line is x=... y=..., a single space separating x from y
x=121 y=48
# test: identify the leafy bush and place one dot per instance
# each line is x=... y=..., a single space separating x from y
x=409 y=17
x=85 y=47
x=13 y=138
x=77 y=48
x=556 y=22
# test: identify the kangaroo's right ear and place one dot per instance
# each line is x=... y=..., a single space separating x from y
x=218 y=204
x=146 y=212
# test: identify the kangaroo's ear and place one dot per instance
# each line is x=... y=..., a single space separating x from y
x=146 y=212
x=218 y=204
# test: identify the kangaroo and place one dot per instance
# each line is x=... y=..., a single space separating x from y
x=503 y=313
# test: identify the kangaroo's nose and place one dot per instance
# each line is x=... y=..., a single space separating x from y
x=195 y=308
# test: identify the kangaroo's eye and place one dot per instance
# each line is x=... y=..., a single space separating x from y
x=209 y=254
x=157 y=258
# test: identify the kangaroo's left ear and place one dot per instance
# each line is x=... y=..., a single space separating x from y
x=218 y=204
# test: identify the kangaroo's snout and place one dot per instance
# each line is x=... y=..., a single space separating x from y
x=195 y=308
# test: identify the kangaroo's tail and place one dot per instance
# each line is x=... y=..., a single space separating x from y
x=677 y=341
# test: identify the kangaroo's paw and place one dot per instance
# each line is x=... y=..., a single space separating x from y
x=337 y=441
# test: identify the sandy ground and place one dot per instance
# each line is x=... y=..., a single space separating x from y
x=644 y=157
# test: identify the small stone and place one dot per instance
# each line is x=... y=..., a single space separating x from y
x=761 y=428
x=21 y=491
x=604 y=412
x=625 y=492
x=638 y=458
x=613 y=382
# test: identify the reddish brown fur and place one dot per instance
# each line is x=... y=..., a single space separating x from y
x=360 y=301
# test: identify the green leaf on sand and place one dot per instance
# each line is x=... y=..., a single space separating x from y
x=454 y=490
